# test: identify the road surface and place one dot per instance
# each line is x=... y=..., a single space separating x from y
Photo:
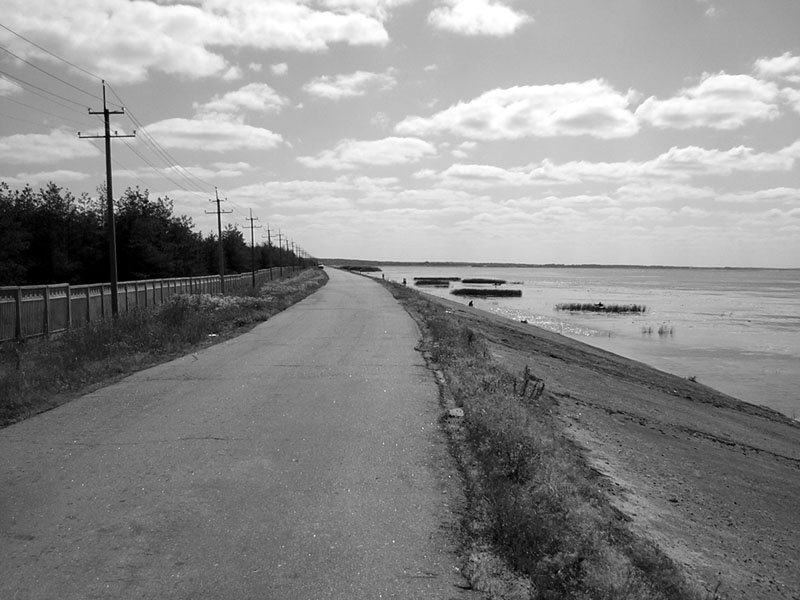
x=301 y=460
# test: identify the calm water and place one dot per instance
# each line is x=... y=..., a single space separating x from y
x=735 y=330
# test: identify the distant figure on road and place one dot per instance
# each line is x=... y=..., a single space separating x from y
x=470 y=303
x=404 y=280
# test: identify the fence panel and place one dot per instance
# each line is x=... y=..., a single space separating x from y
x=32 y=311
x=59 y=310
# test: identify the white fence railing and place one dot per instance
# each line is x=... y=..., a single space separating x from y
x=41 y=310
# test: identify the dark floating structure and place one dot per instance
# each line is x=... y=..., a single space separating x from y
x=487 y=292
x=599 y=307
x=421 y=279
x=479 y=280
x=443 y=283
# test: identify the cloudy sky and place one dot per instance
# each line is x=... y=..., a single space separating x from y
x=566 y=131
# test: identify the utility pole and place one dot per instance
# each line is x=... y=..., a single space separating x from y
x=219 y=212
x=252 y=227
x=280 y=249
x=269 y=252
x=112 y=234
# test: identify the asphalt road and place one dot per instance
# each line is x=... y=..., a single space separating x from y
x=301 y=460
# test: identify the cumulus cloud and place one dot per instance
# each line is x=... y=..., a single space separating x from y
x=215 y=171
x=61 y=176
x=125 y=40
x=279 y=69
x=379 y=8
x=676 y=164
x=350 y=154
x=785 y=67
x=592 y=108
x=254 y=97
x=477 y=17
x=719 y=101
x=39 y=148
x=212 y=136
x=350 y=85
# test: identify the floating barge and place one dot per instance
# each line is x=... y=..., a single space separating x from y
x=487 y=293
x=484 y=281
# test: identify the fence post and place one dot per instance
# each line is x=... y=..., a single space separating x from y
x=18 y=314
x=89 y=303
x=69 y=307
x=46 y=315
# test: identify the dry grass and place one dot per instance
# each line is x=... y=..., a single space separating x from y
x=39 y=374
x=534 y=501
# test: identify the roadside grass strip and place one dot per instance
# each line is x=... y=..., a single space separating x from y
x=534 y=504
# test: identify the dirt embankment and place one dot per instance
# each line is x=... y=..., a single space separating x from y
x=713 y=480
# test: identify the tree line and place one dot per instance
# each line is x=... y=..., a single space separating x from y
x=51 y=236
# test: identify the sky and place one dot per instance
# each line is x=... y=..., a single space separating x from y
x=645 y=132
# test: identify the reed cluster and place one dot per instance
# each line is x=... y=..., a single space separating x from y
x=599 y=307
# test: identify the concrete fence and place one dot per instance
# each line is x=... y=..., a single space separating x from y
x=41 y=310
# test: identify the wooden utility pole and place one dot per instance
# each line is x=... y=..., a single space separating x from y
x=280 y=249
x=269 y=252
x=252 y=226
x=112 y=234
x=221 y=253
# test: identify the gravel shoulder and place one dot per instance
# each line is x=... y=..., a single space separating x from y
x=713 y=480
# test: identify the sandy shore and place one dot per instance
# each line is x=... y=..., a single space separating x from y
x=713 y=480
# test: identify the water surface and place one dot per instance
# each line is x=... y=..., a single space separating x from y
x=736 y=330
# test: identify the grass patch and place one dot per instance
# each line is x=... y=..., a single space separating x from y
x=599 y=307
x=534 y=501
x=39 y=374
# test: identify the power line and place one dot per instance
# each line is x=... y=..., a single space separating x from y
x=67 y=83
x=36 y=87
x=53 y=54
x=163 y=154
x=155 y=169
x=46 y=112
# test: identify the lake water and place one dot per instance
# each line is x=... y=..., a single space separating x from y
x=735 y=330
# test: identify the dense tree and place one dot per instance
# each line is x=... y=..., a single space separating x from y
x=50 y=236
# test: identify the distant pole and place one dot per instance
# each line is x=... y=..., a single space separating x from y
x=280 y=250
x=220 y=250
x=112 y=234
x=269 y=253
x=253 y=227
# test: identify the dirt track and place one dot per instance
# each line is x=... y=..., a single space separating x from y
x=715 y=481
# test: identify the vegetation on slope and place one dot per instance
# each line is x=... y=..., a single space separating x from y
x=534 y=501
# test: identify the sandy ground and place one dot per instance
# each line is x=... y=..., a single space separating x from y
x=713 y=480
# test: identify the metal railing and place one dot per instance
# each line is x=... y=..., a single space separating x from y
x=41 y=310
